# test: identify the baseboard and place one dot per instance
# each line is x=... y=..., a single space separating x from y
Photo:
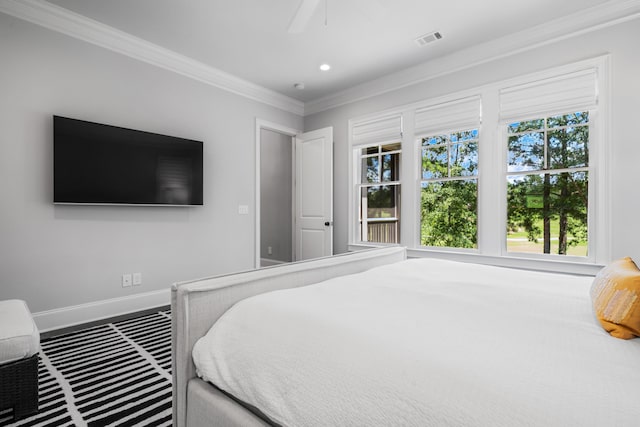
x=267 y=262
x=84 y=313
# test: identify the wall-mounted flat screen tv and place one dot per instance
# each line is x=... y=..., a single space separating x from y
x=101 y=164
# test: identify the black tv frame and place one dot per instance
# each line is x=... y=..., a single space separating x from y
x=106 y=165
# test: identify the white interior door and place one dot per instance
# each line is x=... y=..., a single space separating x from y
x=314 y=194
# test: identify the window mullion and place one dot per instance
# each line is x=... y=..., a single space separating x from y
x=546 y=145
x=379 y=164
x=449 y=158
x=378 y=184
x=450 y=178
x=549 y=171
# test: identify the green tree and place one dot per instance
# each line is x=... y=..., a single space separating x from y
x=449 y=214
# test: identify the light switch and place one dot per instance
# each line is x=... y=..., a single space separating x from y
x=243 y=209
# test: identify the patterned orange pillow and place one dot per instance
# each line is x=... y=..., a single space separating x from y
x=615 y=294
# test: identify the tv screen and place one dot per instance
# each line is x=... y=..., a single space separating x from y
x=101 y=164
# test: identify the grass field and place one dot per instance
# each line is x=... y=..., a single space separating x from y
x=518 y=242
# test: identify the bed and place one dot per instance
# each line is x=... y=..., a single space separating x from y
x=371 y=338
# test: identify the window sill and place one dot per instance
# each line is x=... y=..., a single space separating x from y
x=556 y=266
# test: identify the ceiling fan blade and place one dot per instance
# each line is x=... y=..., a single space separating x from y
x=303 y=15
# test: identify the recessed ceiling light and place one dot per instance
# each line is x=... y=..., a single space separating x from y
x=325 y=67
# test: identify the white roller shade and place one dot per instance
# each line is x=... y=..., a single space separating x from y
x=567 y=93
x=461 y=114
x=384 y=129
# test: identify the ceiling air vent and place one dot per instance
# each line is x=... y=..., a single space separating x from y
x=428 y=38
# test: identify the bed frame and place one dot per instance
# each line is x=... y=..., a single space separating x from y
x=197 y=305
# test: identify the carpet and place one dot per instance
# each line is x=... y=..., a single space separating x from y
x=115 y=374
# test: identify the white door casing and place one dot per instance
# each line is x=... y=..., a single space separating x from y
x=275 y=127
x=314 y=194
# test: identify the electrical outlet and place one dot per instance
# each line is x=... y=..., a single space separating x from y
x=126 y=280
x=137 y=279
x=269 y=250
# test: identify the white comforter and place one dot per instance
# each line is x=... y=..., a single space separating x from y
x=426 y=343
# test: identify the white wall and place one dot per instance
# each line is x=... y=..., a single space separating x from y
x=276 y=189
x=60 y=256
x=619 y=41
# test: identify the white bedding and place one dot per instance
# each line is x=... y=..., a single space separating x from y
x=426 y=342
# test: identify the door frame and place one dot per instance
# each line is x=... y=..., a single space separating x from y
x=291 y=132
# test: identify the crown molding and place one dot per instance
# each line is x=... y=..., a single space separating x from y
x=58 y=19
x=592 y=19
x=45 y=14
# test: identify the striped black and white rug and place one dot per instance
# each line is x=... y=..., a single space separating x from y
x=116 y=374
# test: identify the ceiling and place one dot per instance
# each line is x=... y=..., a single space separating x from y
x=362 y=39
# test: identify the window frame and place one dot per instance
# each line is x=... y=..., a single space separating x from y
x=359 y=185
x=591 y=194
x=390 y=134
x=418 y=141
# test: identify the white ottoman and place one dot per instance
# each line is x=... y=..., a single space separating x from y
x=19 y=346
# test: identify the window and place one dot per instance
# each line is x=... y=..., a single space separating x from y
x=379 y=193
x=448 y=203
x=449 y=190
x=511 y=173
x=550 y=153
x=547 y=185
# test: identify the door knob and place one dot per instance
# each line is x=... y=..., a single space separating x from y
x=327 y=223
